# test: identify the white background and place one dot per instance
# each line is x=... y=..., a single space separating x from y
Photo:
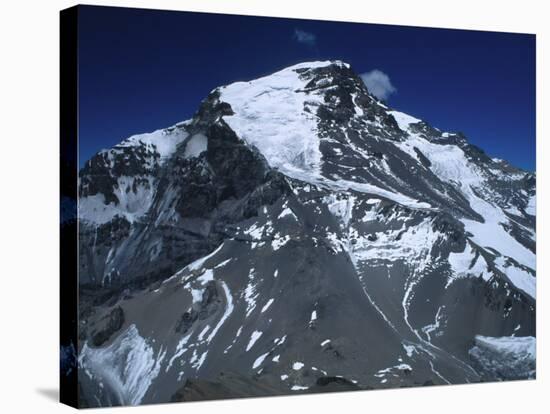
x=29 y=204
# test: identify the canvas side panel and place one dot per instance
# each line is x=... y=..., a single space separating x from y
x=68 y=206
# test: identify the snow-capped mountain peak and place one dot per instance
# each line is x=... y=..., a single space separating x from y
x=301 y=185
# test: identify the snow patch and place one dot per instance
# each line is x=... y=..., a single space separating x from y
x=531 y=208
x=132 y=204
x=180 y=350
x=253 y=338
x=228 y=310
x=297 y=366
x=299 y=388
x=279 y=241
x=313 y=316
x=267 y=305
x=203 y=332
x=259 y=360
x=287 y=212
x=520 y=278
x=403 y=120
x=207 y=276
x=199 y=263
x=164 y=141
x=250 y=294
x=467 y=264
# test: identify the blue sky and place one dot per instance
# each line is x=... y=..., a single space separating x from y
x=141 y=70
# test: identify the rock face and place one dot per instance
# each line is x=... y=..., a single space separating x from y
x=298 y=235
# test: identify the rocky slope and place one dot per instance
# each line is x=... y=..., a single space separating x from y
x=298 y=235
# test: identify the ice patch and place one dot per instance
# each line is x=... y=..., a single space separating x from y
x=128 y=365
x=195 y=146
x=506 y=357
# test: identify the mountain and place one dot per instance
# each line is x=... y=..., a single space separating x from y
x=298 y=235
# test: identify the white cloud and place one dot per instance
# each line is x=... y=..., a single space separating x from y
x=304 y=37
x=378 y=84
